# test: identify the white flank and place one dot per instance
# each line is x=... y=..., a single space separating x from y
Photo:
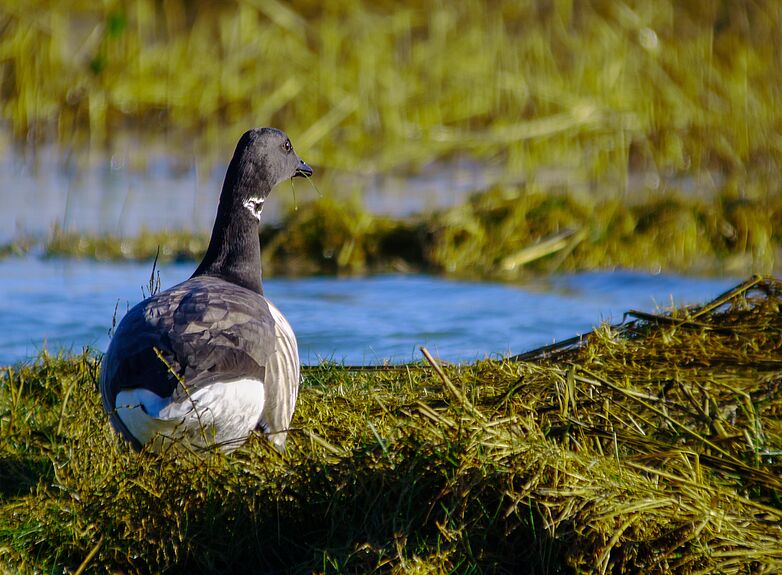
x=255 y=205
x=223 y=414
x=290 y=352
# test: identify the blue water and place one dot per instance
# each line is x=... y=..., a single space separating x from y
x=69 y=304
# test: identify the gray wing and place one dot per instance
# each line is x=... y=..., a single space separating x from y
x=200 y=331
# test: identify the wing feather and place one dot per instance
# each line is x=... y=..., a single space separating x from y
x=198 y=332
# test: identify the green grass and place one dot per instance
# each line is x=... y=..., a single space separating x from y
x=599 y=87
x=503 y=233
x=653 y=447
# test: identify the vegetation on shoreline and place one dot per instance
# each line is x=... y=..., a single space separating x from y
x=653 y=447
x=600 y=86
x=502 y=233
x=605 y=91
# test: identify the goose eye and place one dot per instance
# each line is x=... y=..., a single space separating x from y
x=287 y=146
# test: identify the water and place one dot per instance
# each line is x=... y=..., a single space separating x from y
x=68 y=304
x=41 y=190
x=106 y=194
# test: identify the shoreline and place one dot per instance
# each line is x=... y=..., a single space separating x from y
x=659 y=434
x=503 y=233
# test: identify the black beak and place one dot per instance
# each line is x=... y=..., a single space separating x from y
x=303 y=170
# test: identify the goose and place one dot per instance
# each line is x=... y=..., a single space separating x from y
x=211 y=359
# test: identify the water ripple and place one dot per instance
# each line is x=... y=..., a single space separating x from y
x=69 y=304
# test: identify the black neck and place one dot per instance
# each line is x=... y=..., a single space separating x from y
x=234 y=252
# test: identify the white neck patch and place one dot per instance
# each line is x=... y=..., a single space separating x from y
x=255 y=205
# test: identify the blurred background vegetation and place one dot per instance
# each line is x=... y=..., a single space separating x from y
x=641 y=134
x=672 y=110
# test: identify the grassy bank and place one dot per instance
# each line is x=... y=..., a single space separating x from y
x=592 y=85
x=503 y=233
x=652 y=447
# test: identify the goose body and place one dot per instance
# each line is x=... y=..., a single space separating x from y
x=211 y=359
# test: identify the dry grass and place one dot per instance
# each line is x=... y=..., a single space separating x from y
x=605 y=99
x=600 y=87
x=653 y=447
x=504 y=232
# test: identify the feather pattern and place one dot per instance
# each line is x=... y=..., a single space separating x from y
x=202 y=332
x=211 y=359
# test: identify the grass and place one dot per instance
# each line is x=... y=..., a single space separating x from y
x=600 y=87
x=654 y=447
x=651 y=447
x=603 y=94
x=505 y=232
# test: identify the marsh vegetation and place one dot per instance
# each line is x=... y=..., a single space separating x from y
x=679 y=98
x=654 y=446
x=503 y=233
x=642 y=135
x=600 y=86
